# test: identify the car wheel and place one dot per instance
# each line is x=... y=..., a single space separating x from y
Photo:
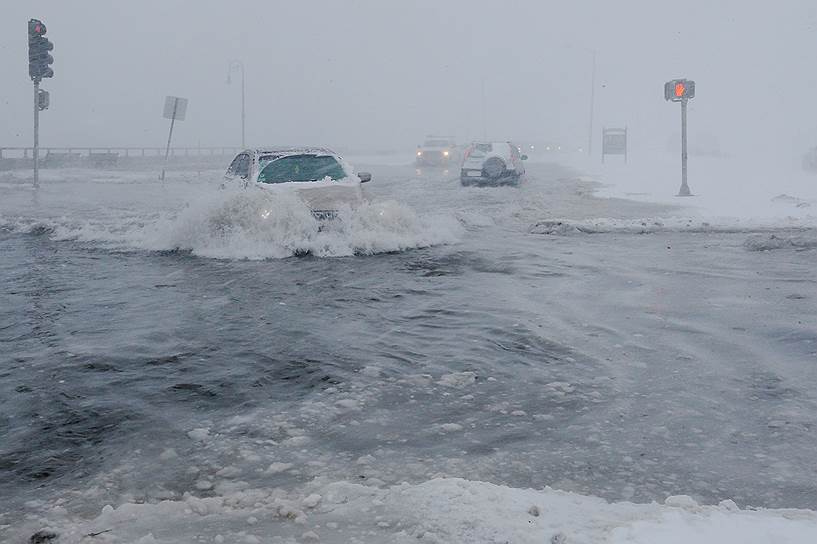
x=494 y=167
x=465 y=182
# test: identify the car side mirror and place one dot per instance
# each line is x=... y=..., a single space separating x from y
x=365 y=177
x=524 y=157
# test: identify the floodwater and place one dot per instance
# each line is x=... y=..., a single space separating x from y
x=496 y=334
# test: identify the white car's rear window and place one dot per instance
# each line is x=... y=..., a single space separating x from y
x=480 y=150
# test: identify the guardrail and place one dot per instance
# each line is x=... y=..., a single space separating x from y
x=26 y=152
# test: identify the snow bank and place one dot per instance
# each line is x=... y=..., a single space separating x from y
x=438 y=511
x=767 y=242
x=752 y=188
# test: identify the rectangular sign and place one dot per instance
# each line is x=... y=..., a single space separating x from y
x=175 y=108
x=614 y=142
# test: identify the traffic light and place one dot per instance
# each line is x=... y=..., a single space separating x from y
x=39 y=58
x=679 y=89
x=43 y=99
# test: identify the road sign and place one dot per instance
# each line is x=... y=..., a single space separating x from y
x=614 y=142
x=175 y=108
x=681 y=90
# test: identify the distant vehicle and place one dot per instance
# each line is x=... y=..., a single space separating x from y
x=810 y=160
x=437 y=151
x=492 y=163
x=319 y=176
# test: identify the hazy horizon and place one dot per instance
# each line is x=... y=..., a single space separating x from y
x=369 y=74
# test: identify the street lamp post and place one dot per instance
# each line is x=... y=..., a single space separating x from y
x=592 y=106
x=484 y=114
x=232 y=66
x=593 y=53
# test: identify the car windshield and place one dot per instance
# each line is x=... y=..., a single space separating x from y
x=437 y=143
x=264 y=160
x=301 y=168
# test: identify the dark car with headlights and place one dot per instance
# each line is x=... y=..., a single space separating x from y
x=437 y=152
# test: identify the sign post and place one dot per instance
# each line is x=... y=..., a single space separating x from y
x=175 y=108
x=614 y=142
x=681 y=90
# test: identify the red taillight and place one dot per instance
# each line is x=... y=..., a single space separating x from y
x=467 y=154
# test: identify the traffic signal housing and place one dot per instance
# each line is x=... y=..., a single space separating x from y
x=39 y=58
x=43 y=99
x=677 y=90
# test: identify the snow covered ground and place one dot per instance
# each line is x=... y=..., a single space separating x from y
x=438 y=511
x=751 y=190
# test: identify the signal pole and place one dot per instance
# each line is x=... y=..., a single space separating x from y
x=681 y=90
x=684 y=190
x=36 y=135
x=39 y=60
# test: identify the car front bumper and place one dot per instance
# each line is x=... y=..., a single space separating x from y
x=432 y=158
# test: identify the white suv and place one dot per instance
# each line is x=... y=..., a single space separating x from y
x=492 y=163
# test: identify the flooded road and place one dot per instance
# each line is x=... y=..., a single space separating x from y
x=533 y=336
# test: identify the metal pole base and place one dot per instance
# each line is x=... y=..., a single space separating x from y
x=684 y=191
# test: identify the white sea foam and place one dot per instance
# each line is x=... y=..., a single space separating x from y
x=252 y=224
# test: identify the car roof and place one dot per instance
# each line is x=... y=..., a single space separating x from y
x=293 y=150
x=490 y=143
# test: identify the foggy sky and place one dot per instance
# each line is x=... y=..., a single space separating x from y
x=383 y=73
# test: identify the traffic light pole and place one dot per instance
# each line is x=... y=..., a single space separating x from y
x=36 y=134
x=684 y=190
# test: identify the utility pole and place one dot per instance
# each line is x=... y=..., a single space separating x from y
x=232 y=66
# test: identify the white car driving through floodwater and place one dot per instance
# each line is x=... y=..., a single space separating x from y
x=319 y=176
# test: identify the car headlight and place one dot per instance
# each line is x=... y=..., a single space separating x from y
x=445 y=153
x=419 y=153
